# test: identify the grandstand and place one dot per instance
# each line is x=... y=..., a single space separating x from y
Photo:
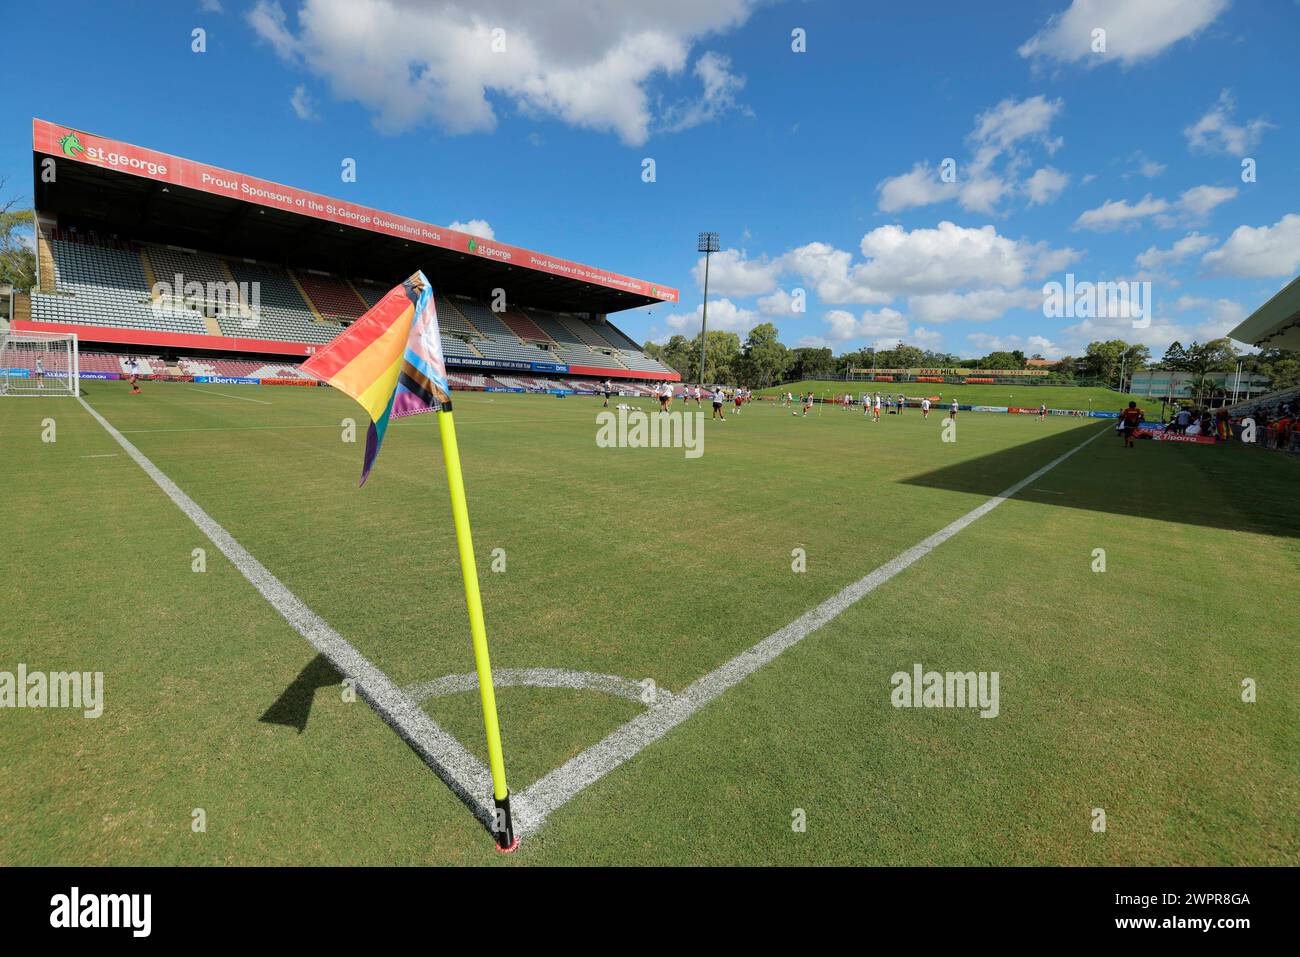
x=158 y=256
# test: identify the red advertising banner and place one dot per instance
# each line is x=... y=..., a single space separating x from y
x=66 y=143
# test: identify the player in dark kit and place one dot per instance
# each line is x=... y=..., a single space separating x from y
x=1129 y=421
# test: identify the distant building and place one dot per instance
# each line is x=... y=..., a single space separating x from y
x=1159 y=383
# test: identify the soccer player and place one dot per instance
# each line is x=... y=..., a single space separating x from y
x=718 y=398
x=902 y=401
x=1042 y=411
x=925 y=408
x=1129 y=420
x=953 y=414
x=607 y=388
x=876 y=415
x=738 y=398
x=697 y=398
x=807 y=403
x=40 y=373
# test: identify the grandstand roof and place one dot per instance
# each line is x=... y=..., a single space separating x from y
x=142 y=194
x=1276 y=324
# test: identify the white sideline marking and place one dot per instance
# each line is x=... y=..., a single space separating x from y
x=537 y=678
x=101 y=455
x=554 y=789
x=226 y=395
x=231 y=428
x=465 y=774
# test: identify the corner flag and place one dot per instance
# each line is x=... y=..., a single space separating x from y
x=390 y=361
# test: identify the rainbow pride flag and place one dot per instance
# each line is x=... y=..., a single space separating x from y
x=390 y=360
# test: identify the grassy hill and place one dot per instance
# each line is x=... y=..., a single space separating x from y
x=1056 y=396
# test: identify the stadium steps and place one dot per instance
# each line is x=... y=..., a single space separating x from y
x=524 y=327
x=46 y=258
x=22 y=306
x=365 y=306
x=211 y=324
x=315 y=313
x=150 y=277
x=444 y=303
x=585 y=333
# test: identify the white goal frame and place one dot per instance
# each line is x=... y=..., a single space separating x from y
x=21 y=374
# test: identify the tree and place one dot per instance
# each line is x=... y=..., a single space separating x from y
x=1103 y=360
x=17 y=245
x=764 y=358
x=808 y=363
x=1003 y=360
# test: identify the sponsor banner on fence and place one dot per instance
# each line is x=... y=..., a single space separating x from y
x=1178 y=437
x=99 y=375
x=1022 y=411
x=289 y=382
x=1103 y=415
x=988 y=408
x=226 y=380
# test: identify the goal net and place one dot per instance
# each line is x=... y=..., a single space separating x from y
x=38 y=363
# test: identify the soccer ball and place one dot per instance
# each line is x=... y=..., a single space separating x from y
x=795 y=414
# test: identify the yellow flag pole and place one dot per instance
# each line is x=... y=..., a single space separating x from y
x=502 y=826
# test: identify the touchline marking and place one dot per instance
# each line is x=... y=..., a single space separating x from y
x=557 y=787
x=465 y=774
x=241 y=398
x=231 y=428
x=539 y=678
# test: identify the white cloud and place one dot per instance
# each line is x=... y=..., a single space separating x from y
x=1258 y=251
x=1199 y=201
x=1215 y=132
x=1011 y=121
x=842 y=325
x=831 y=274
x=920 y=187
x=951 y=257
x=721 y=87
x=981 y=305
x=413 y=62
x=1135 y=31
x=1192 y=206
x=210 y=6
x=1192 y=244
x=1046 y=185
x=475 y=227
x=779 y=303
x=724 y=316
x=997 y=138
x=1117 y=214
x=925 y=338
x=731 y=273
x=301 y=103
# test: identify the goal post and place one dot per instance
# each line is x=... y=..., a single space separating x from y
x=39 y=364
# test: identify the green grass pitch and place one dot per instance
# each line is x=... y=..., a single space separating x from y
x=1119 y=690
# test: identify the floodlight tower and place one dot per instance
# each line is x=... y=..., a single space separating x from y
x=708 y=244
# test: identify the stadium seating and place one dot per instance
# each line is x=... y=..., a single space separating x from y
x=283 y=315
x=333 y=298
x=105 y=286
x=106 y=282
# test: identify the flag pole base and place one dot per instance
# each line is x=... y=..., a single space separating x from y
x=507 y=840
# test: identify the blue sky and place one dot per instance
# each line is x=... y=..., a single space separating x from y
x=822 y=170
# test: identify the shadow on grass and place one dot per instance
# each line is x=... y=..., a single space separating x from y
x=293 y=707
x=1228 y=485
